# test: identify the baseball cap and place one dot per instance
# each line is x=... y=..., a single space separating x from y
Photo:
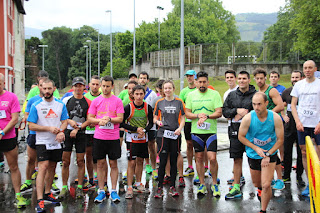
x=78 y=80
x=190 y=72
x=132 y=74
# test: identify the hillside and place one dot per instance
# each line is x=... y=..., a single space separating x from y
x=252 y=25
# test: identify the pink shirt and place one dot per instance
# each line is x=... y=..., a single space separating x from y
x=101 y=107
x=9 y=104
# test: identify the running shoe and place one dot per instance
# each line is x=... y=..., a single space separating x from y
x=129 y=194
x=106 y=189
x=206 y=172
x=21 y=202
x=155 y=174
x=56 y=176
x=259 y=191
x=166 y=180
x=54 y=189
x=139 y=189
x=233 y=193
x=79 y=193
x=294 y=167
x=25 y=188
x=188 y=172
x=64 y=192
x=300 y=182
x=273 y=182
x=159 y=193
x=34 y=175
x=101 y=197
x=49 y=198
x=173 y=192
x=215 y=190
x=306 y=192
x=242 y=180
x=40 y=206
x=287 y=180
x=196 y=180
x=149 y=169
x=279 y=185
x=181 y=182
x=115 y=197
x=202 y=190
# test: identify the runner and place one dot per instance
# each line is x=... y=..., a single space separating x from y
x=307 y=115
x=124 y=94
x=237 y=104
x=274 y=78
x=169 y=116
x=138 y=120
x=261 y=131
x=77 y=106
x=203 y=107
x=106 y=112
x=48 y=117
x=275 y=104
x=143 y=80
x=9 y=114
x=191 y=76
x=291 y=135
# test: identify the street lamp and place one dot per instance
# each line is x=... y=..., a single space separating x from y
x=111 y=73
x=89 y=41
x=86 y=46
x=134 y=36
x=159 y=8
x=182 y=45
x=43 y=46
x=98 y=52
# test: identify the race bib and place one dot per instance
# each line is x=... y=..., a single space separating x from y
x=89 y=132
x=52 y=146
x=3 y=114
x=170 y=134
x=109 y=125
x=135 y=137
x=205 y=126
x=258 y=142
x=188 y=120
x=234 y=121
x=71 y=128
x=308 y=113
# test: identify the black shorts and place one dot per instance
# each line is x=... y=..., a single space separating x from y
x=166 y=145
x=237 y=148
x=43 y=154
x=200 y=141
x=187 y=131
x=101 y=148
x=31 y=141
x=89 y=140
x=79 y=141
x=255 y=164
x=152 y=135
x=308 y=132
x=121 y=133
x=7 y=145
x=135 y=150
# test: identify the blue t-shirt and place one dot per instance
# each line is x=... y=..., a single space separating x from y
x=29 y=104
x=261 y=134
x=280 y=89
x=46 y=113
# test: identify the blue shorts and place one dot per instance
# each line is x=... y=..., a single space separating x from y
x=202 y=141
x=308 y=132
x=31 y=141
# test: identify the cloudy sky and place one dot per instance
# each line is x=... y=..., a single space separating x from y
x=45 y=14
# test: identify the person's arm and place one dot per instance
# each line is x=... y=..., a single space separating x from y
x=150 y=118
x=182 y=123
x=203 y=117
x=294 y=102
x=278 y=125
x=277 y=100
x=11 y=124
x=126 y=115
x=228 y=111
x=39 y=128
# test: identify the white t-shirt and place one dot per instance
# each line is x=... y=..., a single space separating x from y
x=309 y=101
x=149 y=97
x=228 y=91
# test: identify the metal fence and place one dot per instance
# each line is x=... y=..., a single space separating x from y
x=227 y=53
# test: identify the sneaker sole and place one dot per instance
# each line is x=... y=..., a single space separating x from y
x=115 y=200
x=158 y=196
x=234 y=197
x=174 y=194
x=99 y=201
x=26 y=191
x=188 y=175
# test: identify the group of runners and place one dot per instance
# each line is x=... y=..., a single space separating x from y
x=95 y=123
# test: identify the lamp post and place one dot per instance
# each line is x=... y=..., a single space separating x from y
x=89 y=41
x=85 y=46
x=134 y=36
x=43 y=46
x=159 y=8
x=182 y=46
x=111 y=72
x=98 y=52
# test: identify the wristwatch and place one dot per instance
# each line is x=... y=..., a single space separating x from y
x=207 y=116
x=267 y=154
x=2 y=132
x=144 y=130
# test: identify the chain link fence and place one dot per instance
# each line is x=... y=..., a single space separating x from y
x=227 y=53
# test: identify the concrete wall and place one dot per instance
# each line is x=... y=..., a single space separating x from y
x=212 y=69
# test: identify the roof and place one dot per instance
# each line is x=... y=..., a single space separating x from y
x=20 y=6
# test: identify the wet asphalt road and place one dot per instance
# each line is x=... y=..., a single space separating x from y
x=287 y=200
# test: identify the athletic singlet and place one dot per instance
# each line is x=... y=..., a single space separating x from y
x=137 y=118
x=261 y=134
x=271 y=105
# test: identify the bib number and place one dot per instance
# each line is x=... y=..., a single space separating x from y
x=3 y=114
x=136 y=138
x=89 y=132
x=109 y=125
x=205 y=126
x=170 y=134
x=52 y=146
x=258 y=142
x=308 y=113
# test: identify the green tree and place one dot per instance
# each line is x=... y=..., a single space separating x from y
x=120 y=68
x=32 y=60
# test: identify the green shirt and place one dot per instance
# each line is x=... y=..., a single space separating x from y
x=183 y=96
x=90 y=97
x=36 y=91
x=206 y=102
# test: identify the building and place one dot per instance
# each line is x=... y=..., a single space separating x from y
x=12 y=47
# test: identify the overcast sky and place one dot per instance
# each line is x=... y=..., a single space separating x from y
x=46 y=14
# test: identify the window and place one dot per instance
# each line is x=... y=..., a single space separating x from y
x=10 y=9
